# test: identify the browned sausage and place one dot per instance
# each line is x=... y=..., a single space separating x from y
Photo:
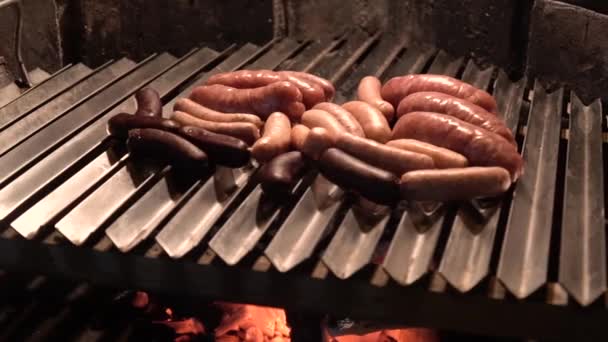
x=222 y=149
x=120 y=124
x=351 y=173
x=327 y=87
x=242 y=79
x=320 y=118
x=278 y=176
x=369 y=91
x=398 y=88
x=298 y=136
x=245 y=131
x=281 y=97
x=317 y=141
x=372 y=121
x=456 y=107
x=202 y=112
x=443 y=158
x=454 y=184
x=479 y=146
x=157 y=144
x=385 y=157
x=344 y=117
x=148 y=103
x=276 y=139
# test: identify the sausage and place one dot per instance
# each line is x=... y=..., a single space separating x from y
x=317 y=141
x=276 y=139
x=312 y=93
x=120 y=124
x=369 y=91
x=202 y=112
x=222 y=149
x=148 y=103
x=388 y=158
x=328 y=88
x=344 y=117
x=319 y=118
x=443 y=158
x=278 y=176
x=479 y=146
x=353 y=174
x=454 y=184
x=245 y=131
x=298 y=136
x=456 y=107
x=398 y=88
x=372 y=121
x=276 y=97
x=158 y=144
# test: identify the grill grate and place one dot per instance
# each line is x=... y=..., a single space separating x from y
x=143 y=225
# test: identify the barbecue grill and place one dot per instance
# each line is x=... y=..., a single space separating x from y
x=532 y=263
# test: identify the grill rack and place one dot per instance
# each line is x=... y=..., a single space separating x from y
x=476 y=259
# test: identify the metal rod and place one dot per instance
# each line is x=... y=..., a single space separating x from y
x=25 y=79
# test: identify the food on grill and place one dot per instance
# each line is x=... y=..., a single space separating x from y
x=319 y=118
x=298 y=136
x=252 y=323
x=456 y=107
x=282 y=97
x=222 y=149
x=397 y=88
x=369 y=91
x=188 y=106
x=454 y=184
x=148 y=103
x=372 y=121
x=317 y=141
x=280 y=174
x=158 y=144
x=348 y=172
x=442 y=157
x=479 y=146
x=245 y=131
x=312 y=93
x=344 y=117
x=327 y=87
x=120 y=124
x=276 y=139
x=386 y=157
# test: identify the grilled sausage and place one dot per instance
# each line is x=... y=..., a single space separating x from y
x=454 y=184
x=120 y=124
x=388 y=158
x=320 y=118
x=443 y=158
x=278 y=176
x=276 y=139
x=344 y=117
x=372 y=121
x=298 y=136
x=222 y=149
x=328 y=88
x=479 y=146
x=312 y=93
x=456 y=107
x=155 y=143
x=317 y=141
x=369 y=91
x=398 y=88
x=148 y=103
x=276 y=97
x=351 y=173
x=202 y=112
x=245 y=131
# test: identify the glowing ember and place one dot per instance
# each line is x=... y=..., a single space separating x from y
x=252 y=323
x=396 y=335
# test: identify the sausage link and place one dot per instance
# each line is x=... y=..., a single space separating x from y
x=385 y=157
x=222 y=149
x=369 y=91
x=148 y=103
x=479 y=146
x=344 y=117
x=278 y=176
x=317 y=141
x=298 y=136
x=157 y=144
x=454 y=184
x=328 y=88
x=202 y=112
x=320 y=118
x=276 y=139
x=245 y=131
x=354 y=174
x=372 y=121
x=443 y=158
x=120 y=124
